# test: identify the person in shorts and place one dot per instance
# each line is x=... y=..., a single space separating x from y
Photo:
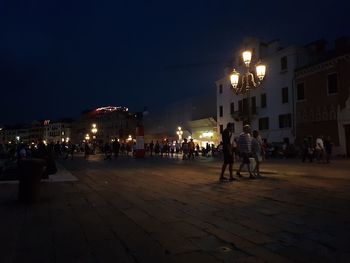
x=257 y=152
x=244 y=145
x=227 y=151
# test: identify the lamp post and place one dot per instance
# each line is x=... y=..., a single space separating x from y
x=179 y=133
x=87 y=137
x=248 y=80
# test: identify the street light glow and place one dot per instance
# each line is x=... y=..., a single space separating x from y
x=260 y=70
x=94 y=128
x=179 y=132
x=247 y=57
x=248 y=80
x=234 y=78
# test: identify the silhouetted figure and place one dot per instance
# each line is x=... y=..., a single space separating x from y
x=157 y=148
x=86 y=151
x=151 y=146
x=244 y=144
x=116 y=148
x=185 y=150
x=107 y=151
x=227 y=151
x=328 y=146
x=191 y=148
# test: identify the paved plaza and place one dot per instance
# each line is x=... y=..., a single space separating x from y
x=169 y=210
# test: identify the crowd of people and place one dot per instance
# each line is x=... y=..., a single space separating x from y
x=248 y=148
x=21 y=151
x=188 y=149
x=319 y=150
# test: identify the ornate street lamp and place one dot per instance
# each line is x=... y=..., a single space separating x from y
x=87 y=137
x=248 y=81
x=179 y=132
x=94 y=130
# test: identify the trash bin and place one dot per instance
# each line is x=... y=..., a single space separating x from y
x=30 y=175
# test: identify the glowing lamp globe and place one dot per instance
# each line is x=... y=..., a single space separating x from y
x=247 y=57
x=234 y=78
x=260 y=71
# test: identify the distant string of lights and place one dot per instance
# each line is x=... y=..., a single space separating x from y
x=112 y=108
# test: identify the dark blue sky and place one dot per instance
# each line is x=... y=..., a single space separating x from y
x=59 y=57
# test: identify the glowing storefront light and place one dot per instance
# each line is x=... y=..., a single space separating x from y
x=207 y=134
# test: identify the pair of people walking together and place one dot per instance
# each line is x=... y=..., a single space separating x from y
x=250 y=150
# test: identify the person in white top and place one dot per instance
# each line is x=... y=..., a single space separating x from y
x=319 y=149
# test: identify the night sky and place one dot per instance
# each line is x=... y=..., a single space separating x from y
x=58 y=58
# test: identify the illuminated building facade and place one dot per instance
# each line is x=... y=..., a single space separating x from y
x=57 y=131
x=110 y=123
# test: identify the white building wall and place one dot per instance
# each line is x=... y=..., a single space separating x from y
x=275 y=80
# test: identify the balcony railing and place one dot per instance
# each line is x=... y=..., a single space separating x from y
x=243 y=114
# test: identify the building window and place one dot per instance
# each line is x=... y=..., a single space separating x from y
x=264 y=123
x=253 y=105
x=300 y=91
x=245 y=106
x=232 y=108
x=221 y=111
x=233 y=126
x=284 y=63
x=263 y=100
x=221 y=128
x=285 y=120
x=332 y=83
x=220 y=89
x=285 y=95
x=240 y=107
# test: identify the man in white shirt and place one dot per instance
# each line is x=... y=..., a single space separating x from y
x=319 y=148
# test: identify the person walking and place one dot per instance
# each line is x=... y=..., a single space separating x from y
x=70 y=150
x=157 y=149
x=185 y=149
x=244 y=145
x=257 y=152
x=191 y=148
x=115 y=148
x=197 y=150
x=305 y=149
x=227 y=151
x=319 y=149
x=86 y=150
x=328 y=146
x=151 y=146
x=108 y=152
x=177 y=149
